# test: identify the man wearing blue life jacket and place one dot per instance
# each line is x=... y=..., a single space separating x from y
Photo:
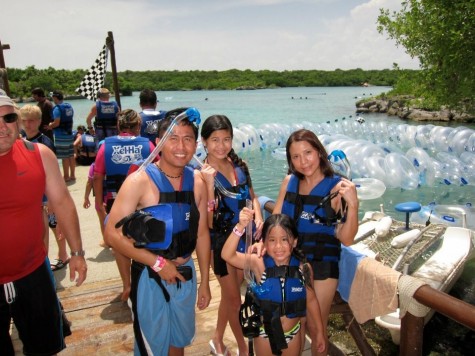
x=85 y=146
x=112 y=164
x=164 y=291
x=150 y=115
x=105 y=113
x=62 y=126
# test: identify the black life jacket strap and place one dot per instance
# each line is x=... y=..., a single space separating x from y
x=290 y=307
x=274 y=330
x=283 y=272
x=176 y=197
x=152 y=274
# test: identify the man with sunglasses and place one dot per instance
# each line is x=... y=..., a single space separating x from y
x=27 y=290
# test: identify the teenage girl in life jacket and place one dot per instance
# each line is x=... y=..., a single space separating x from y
x=223 y=164
x=283 y=289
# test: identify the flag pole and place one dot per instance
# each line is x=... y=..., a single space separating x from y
x=3 y=69
x=110 y=46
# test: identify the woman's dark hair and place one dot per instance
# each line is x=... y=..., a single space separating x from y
x=285 y=222
x=164 y=124
x=221 y=122
x=304 y=135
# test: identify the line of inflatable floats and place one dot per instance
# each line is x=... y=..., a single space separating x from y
x=381 y=155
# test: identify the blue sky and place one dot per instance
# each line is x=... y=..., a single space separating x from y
x=200 y=34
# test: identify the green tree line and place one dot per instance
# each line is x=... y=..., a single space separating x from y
x=441 y=34
x=22 y=81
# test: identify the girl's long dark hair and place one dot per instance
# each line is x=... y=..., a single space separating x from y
x=221 y=122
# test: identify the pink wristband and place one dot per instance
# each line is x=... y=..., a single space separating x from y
x=237 y=232
x=159 y=264
x=211 y=206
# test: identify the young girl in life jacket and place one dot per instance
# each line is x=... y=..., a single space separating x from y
x=224 y=165
x=283 y=288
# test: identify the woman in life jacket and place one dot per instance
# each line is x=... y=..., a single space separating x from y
x=223 y=164
x=324 y=206
x=284 y=290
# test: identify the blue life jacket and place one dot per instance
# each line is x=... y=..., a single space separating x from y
x=42 y=138
x=66 y=118
x=317 y=241
x=150 y=121
x=88 y=144
x=106 y=113
x=119 y=153
x=283 y=289
x=235 y=204
x=184 y=211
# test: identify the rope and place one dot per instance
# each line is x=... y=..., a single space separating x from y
x=407 y=286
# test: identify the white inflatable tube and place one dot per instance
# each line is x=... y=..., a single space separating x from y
x=383 y=226
x=369 y=188
x=402 y=240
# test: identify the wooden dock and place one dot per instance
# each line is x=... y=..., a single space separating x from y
x=101 y=324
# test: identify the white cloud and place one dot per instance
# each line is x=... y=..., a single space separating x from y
x=207 y=35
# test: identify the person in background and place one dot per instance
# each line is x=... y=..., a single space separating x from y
x=105 y=114
x=112 y=163
x=30 y=122
x=325 y=208
x=46 y=108
x=63 y=115
x=223 y=163
x=84 y=147
x=284 y=290
x=29 y=171
x=77 y=133
x=164 y=282
x=149 y=114
x=101 y=214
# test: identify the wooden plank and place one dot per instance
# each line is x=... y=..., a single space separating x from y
x=102 y=325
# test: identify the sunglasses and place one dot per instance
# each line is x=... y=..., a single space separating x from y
x=10 y=118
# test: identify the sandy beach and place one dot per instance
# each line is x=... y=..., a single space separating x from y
x=100 y=261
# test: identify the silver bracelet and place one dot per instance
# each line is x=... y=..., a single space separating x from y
x=81 y=253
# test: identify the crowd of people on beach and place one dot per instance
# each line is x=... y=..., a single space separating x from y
x=155 y=211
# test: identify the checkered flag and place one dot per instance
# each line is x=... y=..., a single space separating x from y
x=94 y=78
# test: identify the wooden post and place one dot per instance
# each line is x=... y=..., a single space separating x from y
x=3 y=73
x=456 y=309
x=339 y=306
x=115 y=82
x=412 y=335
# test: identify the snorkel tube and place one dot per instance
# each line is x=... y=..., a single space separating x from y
x=220 y=187
x=247 y=262
x=192 y=114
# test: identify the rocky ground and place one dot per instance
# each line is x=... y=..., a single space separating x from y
x=399 y=106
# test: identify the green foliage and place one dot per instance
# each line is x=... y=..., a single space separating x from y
x=22 y=81
x=441 y=34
